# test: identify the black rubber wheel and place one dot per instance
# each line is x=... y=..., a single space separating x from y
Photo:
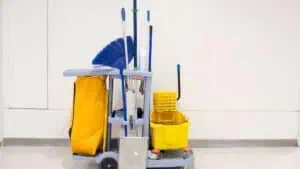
x=109 y=163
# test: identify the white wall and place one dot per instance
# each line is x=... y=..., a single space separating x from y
x=239 y=55
x=36 y=124
x=75 y=37
x=240 y=64
x=26 y=49
x=1 y=78
x=1 y=106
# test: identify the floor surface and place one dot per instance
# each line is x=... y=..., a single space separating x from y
x=207 y=158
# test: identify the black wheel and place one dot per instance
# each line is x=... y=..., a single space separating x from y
x=109 y=163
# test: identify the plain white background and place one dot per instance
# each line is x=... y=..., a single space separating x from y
x=1 y=81
x=240 y=62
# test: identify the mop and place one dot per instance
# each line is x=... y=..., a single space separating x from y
x=133 y=150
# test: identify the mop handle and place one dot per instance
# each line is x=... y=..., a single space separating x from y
x=123 y=14
x=124 y=100
x=148 y=15
x=135 y=39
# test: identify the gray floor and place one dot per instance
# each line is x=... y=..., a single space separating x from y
x=207 y=158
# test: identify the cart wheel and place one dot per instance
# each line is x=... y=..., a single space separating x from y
x=109 y=163
x=153 y=156
x=187 y=152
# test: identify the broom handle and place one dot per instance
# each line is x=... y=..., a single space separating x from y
x=123 y=13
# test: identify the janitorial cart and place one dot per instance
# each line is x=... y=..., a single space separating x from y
x=146 y=139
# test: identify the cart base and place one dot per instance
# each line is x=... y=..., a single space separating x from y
x=170 y=160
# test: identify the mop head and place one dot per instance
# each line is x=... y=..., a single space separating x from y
x=113 y=54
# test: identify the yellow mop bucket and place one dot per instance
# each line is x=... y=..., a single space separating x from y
x=170 y=136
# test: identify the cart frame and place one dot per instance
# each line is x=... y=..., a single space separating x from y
x=175 y=160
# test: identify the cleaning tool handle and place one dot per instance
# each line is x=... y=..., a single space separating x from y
x=135 y=31
x=124 y=99
x=179 y=82
x=150 y=48
x=148 y=15
x=123 y=14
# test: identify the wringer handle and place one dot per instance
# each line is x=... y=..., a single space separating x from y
x=179 y=82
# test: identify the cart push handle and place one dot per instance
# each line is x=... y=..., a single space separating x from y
x=178 y=82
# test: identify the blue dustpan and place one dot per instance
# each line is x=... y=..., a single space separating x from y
x=113 y=54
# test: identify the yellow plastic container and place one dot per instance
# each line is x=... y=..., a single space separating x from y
x=165 y=117
x=170 y=136
x=168 y=118
x=165 y=101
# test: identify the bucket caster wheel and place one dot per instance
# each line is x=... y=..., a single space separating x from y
x=155 y=154
x=186 y=152
x=108 y=163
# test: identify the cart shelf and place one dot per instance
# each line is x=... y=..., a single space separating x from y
x=106 y=71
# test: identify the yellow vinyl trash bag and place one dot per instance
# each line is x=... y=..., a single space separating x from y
x=88 y=124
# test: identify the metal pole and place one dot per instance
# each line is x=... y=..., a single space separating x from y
x=148 y=81
x=109 y=112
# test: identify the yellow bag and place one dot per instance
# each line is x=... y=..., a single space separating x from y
x=88 y=125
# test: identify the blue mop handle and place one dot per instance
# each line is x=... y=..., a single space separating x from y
x=150 y=48
x=135 y=38
x=124 y=100
x=123 y=14
x=148 y=15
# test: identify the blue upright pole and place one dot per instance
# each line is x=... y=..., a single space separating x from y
x=135 y=38
x=124 y=100
x=150 y=48
x=148 y=15
x=150 y=42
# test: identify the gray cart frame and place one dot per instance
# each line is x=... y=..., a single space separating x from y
x=167 y=162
